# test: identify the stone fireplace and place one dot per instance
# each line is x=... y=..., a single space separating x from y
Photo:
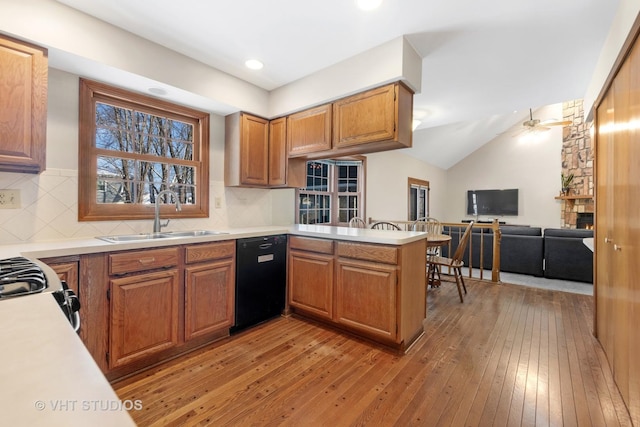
x=577 y=158
x=585 y=220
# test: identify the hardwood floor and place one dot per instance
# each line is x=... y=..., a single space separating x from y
x=508 y=356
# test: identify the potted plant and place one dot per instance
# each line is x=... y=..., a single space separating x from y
x=565 y=181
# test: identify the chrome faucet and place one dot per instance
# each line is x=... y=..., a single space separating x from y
x=157 y=226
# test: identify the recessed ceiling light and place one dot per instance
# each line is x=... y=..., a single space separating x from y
x=368 y=4
x=254 y=64
x=157 y=91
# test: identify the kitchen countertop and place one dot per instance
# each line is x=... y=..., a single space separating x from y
x=388 y=237
x=88 y=245
x=48 y=377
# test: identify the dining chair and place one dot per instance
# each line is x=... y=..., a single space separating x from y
x=431 y=226
x=357 y=222
x=384 y=225
x=428 y=224
x=455 y=263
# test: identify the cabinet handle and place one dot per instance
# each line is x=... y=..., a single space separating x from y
x=146 y=260
x=617 y=248
x=607 y=240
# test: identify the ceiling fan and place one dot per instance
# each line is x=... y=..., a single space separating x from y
x=535 y=125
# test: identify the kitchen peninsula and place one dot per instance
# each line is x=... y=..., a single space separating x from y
x=368 y=282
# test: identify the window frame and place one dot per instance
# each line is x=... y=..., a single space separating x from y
x=333 y=192
x=420 y=184
x=88 y=207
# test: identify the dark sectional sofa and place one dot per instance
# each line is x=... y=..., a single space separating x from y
x=552 y=253
x=566 y=257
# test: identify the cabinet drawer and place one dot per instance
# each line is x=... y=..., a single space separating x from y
x=375 y=253
x=128 y=262
x=310 y=244
x=210 y=251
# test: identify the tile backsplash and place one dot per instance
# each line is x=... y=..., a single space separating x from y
x=49 y=210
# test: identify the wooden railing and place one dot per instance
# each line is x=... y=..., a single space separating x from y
x=481 y=234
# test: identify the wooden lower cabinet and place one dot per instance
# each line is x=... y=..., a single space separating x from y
x=372 y=290
x=366 y=298
x=141 y=307
x=311 y=276
x=144 y=316
x=67 y=269
x=209 y=298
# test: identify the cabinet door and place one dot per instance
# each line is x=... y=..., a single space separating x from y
x=374 y=120
x=366 y=298
x=254 y=151
x=23 y=106
x=311 y=283
x=278 y=152
x=209 y=298
x=309 y=131
x=68 y=272
x=144 y=316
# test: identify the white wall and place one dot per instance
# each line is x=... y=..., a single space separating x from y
x=533 y=167
x=49 y=201
x=626 y=15
x=387 y=185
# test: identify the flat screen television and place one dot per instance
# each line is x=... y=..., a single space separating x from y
x=492 y=202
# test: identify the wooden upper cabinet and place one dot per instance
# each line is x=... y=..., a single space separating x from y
x=246 y=150
x=256 y=153
x=376 y=120
x=23 y=106
x=309 y=131
x=278 y=152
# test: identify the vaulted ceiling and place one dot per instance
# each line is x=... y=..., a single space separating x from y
x=484 y=63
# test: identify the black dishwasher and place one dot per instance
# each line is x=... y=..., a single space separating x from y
x=261 y=269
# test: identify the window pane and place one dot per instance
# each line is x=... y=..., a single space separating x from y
x=122 y=180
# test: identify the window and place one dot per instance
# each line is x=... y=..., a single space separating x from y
x=334 y=192
x=132 y=147
x=418 y=199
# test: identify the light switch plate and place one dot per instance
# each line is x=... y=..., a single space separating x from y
x=9 y=199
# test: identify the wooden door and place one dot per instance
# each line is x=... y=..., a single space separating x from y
x=278 y=152
x=23 y=106
x=311 y=283
x=209 y=298
x=619 y=270
x=630 y=251
x=309 y=131
x=144 y=316
x=604 y=224
x=254 y=150
x=366 y=298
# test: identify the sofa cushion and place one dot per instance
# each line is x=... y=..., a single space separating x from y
x=566 y=256
x=565 y=232
x=520 y=230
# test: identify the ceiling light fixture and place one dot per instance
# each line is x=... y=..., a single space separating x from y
x=368 y=4
x=157 y=91
x=254 y=64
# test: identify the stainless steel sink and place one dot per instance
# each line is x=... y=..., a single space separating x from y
x=163 y=235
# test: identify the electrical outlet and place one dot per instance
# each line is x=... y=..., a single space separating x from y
x=9 y=199
x=218 y=202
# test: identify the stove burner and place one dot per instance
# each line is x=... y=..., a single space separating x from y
x=20 y=276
